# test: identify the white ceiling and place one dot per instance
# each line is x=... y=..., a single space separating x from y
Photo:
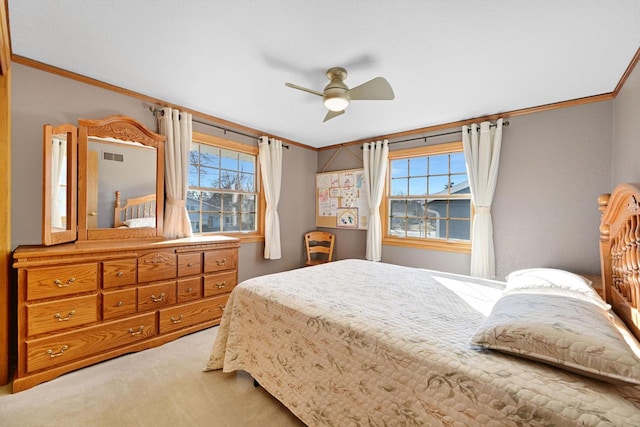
x=446 y=60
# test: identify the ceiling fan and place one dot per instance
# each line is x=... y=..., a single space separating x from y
x=336 y=95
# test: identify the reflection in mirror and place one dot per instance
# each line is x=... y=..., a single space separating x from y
x=127 y=168
x=59 y=184
x=121 y=169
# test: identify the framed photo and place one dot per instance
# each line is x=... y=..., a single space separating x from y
x=347 y=218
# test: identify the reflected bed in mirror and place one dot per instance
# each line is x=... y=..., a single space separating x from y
x=118 y=154
x=139 y=212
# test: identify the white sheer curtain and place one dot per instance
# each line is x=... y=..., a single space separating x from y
x=58 y=159
x=177 y=127
x=375 y=156
x=270 y=157
x=482 y=156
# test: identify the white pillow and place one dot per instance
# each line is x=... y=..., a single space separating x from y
x=141 y=222
x=570 y=333
x=553 y=281
x=550 y=274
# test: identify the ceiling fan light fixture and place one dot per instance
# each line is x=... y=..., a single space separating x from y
x=336 y=103
x=336 y=96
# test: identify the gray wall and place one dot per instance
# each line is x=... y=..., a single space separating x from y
x=39 y=98
x=554 y=164
x=553 y=167
x=626 y=131
x=297 y=216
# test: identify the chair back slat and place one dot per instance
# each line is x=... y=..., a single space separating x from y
x=319 y=246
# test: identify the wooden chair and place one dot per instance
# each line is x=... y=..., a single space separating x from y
x=319 y=245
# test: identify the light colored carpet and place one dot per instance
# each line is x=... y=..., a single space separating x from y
x=163 y=386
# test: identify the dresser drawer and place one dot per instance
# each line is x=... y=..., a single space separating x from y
x=226 y=259
x=152 y=297
x=189 y=289
x=119 y=273
x=66 y=347
x=157 y=266
x=191 y=313
x=49 y=282
x=61 y=314
x=215 y=284
x=189 y=264
x=119 y=303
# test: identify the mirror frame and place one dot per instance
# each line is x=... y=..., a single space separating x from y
x=123 y=128
x=51 y=235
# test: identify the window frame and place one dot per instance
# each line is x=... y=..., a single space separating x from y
x=422 y=242
x=216 y=141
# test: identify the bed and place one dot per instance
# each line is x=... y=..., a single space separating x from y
x=137 y=212
x=355 y=342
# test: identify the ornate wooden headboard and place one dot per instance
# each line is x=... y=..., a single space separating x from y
x=620 y=252
x=137 y=207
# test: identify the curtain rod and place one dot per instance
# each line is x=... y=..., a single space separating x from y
x=505 y=124
x=202 y=122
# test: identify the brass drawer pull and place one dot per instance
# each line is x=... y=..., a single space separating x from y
x=221 y=307
x=189 y=290
x=119 y=274
x=178 y=320
x=221 y=285
x=64 y=319
x=190 y=264
x=157 y=298
x=221 y=262
x=119 y=304
x=59 y=283
x=136 y=332
x=62 y=350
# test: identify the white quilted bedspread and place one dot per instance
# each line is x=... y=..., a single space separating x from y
x=355 y=343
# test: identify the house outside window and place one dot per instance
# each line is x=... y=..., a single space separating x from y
x=224 y=188
x=428 y=199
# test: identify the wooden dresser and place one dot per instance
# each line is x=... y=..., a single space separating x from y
x=82 y=303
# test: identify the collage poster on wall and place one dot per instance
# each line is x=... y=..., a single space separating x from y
x=342 y=199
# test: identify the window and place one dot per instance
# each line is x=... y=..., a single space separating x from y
x=428 y=199
x=223 y=194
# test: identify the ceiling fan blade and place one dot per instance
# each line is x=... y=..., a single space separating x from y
x=373 y=90
x=331 y=114
x=315 y=92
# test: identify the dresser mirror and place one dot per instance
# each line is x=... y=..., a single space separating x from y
x=121 y=180
x=59 y=184
x=119 y=172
